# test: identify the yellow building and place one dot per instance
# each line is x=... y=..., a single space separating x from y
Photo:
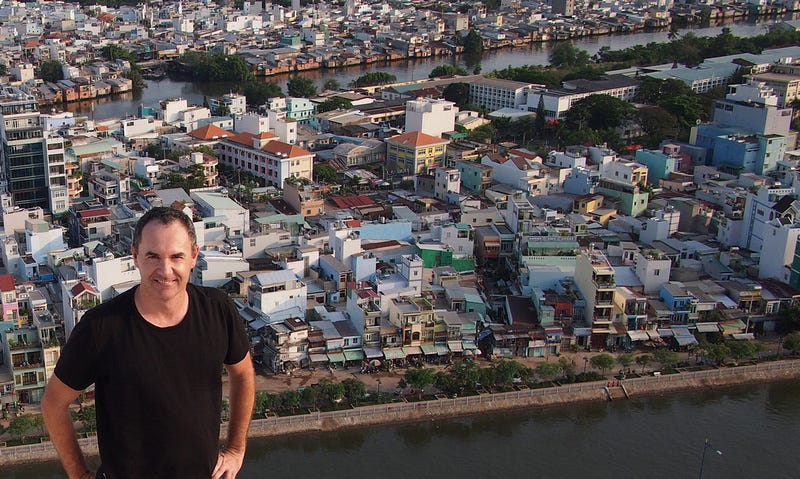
x=415 y=153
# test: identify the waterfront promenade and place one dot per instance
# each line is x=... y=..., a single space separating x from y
x=402 y=411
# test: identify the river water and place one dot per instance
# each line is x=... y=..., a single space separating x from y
x=534 y=54
x=754 y=426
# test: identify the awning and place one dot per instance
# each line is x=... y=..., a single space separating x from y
x=665 y=333
x=685 y=340
x=336 y=357
x=600 y=331
x=373 y=352
x=394 y=353
x=318 y=358
x=579 y=332
x=637 y=335
x=442 y=350
x=743 y=336
x=428 y=349
x=707 y=327
x=412 y=350
x=455 y=346
x=353 y=354
x=468 y=345
x=653 y=335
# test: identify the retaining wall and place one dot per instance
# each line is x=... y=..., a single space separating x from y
x=398 y=412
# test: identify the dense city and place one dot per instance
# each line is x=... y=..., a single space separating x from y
x=586 y=224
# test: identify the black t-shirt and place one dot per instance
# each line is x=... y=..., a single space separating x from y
x=158 y=390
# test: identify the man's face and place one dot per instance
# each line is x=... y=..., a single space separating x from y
x=165 y=257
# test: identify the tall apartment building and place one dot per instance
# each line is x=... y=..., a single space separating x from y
x=594 y=277
x=31 y=163
x=432 y=117
x=495 y=93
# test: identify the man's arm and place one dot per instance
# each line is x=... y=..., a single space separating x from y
x=55 y=409
x=242 y=398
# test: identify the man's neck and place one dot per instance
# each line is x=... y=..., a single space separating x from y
x=163 y=314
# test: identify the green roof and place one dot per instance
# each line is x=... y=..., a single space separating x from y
x=463 y=264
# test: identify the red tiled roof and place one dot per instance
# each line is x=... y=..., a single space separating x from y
x=380 y=244
x=349 y=201
x=82 y=287
x=243 y=138
x=7 y=282
x=93 y=213
x=353 y=223
x=210 y=132
x=291 y=151
x=416 y=138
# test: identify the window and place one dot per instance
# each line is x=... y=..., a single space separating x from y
x=657 y=272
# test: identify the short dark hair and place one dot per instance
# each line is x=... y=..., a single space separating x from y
x=165 y=215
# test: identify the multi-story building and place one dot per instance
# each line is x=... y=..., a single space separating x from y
x=264 y=156
x=216 y=268
x=778 y=249
x=475 y=177
x=594 y=277
x=495 y=93
x=630 y=309
x=307 y=200
x=278 y=294
x=624 y=172
x=32 y=352
x=785 y=86
x=228 y=104
x=88 y=222
x=77 y=297
x=432 y=117
x=32 y=163
x=285 y=344
x=415 y=318
x=414 y=153
x=680 y=301
x=447 y=182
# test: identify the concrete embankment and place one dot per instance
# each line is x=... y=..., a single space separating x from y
x=441 y=408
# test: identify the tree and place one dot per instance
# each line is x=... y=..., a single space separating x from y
x=792 y=342
x=302 y=87
x=264 y=402
x=668 y=359
x=473 y=44
x=541 y=116
x=310 y=395
x=334 y=103
x=458 y=93
x=717 y=353
x=420 y=378
x=548 y=371
x=331 y=84
x=290 y=399
x=507 y=371
x=21 y=425
x=51 y=71
x=565 y=54
x=643 y=361
x=625 y=360
x=599 y=112
x=87 y=415
x=742 y=349
x=374 y=78
x=325 y=172
x=483 y=133
x=333 y=391
x=354 y=390
x=603 y=362
x=688 y=109
x=446 y=71
x=258 y=92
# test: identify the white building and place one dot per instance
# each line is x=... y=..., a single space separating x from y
x=278 y=294
x=216 y=268
x=652 y=269
x=625 y=172
x=447 y=182
x=567 y=159
x=432 y=117
x=266 y=157
x=77 y=297
x=495 y=93
x=211 y=204
x=659 y=227
x=107 y=272
x=777 y=253
x=41 y=239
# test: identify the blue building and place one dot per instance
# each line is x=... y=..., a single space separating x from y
x=659 y=164
x=680 y=301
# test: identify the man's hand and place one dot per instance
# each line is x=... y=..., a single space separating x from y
x=228 y=464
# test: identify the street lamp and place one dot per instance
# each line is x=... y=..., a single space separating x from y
x=706 y=446
x=379 y=388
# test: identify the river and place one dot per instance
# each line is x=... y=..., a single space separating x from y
x=534 y=54
x=754 y=426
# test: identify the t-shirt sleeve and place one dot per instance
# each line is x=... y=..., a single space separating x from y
x=238 y=343
x=77 y=365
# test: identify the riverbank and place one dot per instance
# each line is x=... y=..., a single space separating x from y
x=450 y=407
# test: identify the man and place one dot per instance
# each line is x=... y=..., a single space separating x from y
x=155 y=354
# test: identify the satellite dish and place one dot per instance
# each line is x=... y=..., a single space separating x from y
x=697 y=121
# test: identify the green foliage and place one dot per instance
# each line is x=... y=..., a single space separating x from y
x=332 y=391
x=334 y=103
x=265 y=401
x=325 y=172
x=788 y=319
x=458 y=93
x=668 y=359
x=310 y=395
x=460 y=377
x=483 y=133
x=3 y=69
x=258 y=92
x=331 y=84
x=302 y=87
x=657 y=123
x=154 y=150
x=566 y=54
x=216 y=67
x=792 y=342
x=113 y=52
x=22 y=425
x=507 y=371
x=643 y=361
x=354 y=390
x=599 y=112
x=473 y=44
x=743 y=349
x=420 y=378
x=548 y=371
x=717 y=353
x=626 y=360
x=87 y=415
x=51 y=71
x=652 y=90
x=290 y=399
x=374 y=78
x=688 y=109
x=446 y=71
x=603 y=362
